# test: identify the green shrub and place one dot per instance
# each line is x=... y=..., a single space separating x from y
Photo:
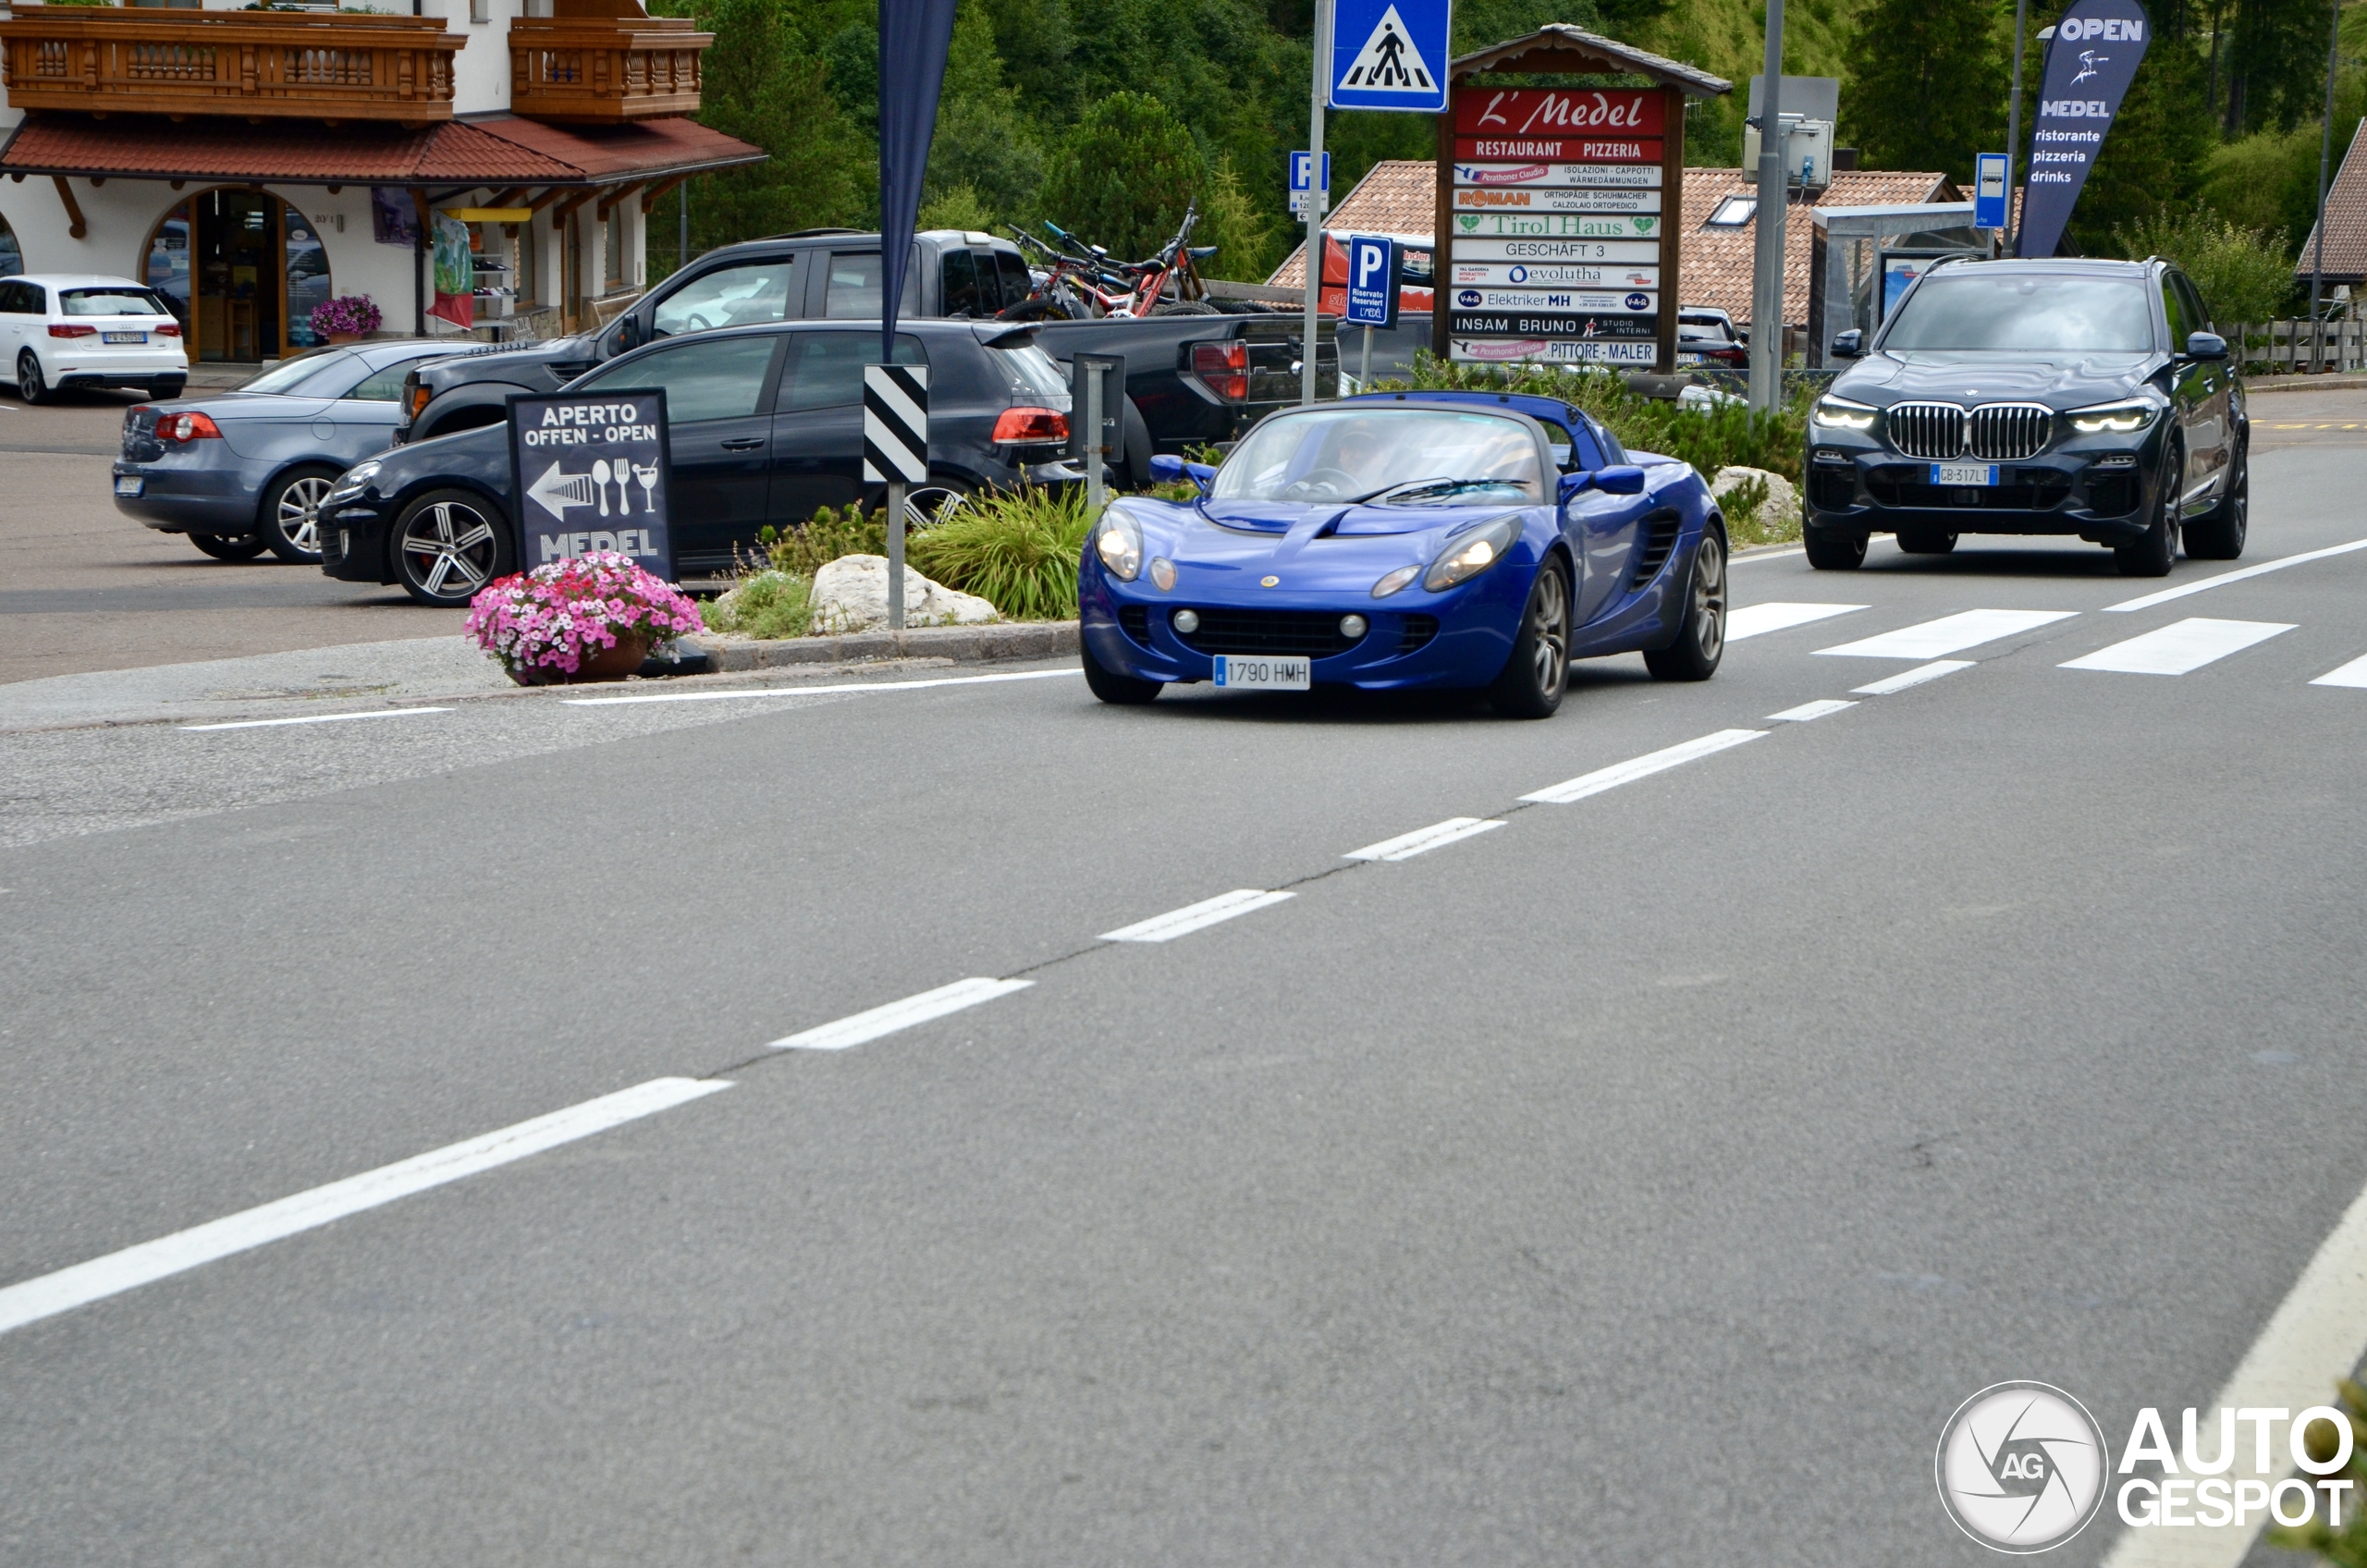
x=2244 y=273
x=1123 y=177
x=1017 y=551
x=811 y=546
x=766 y=604
x=2347 y=1546
x=1713 y=438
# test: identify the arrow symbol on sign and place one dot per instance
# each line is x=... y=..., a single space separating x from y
x=555 y=491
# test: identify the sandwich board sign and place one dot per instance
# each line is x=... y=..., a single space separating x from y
x=592 y=473
x=1389 y=54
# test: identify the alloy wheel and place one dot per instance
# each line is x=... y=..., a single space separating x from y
x=449 y=549
x=1709 y=598
x=299 y=512
x=1549 y=620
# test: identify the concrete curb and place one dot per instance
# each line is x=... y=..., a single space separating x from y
x=963 y=644
x=2255 y=385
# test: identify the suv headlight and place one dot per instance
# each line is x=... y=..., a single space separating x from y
x=1470 y=554
x=1840 y=413
x=1118 y=540
x=349 y=483
x=2120 y=419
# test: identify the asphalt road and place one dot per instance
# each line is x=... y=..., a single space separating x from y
x=1643 y=1179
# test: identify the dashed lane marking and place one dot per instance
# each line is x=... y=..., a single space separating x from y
x=150 y=1261
x=2148 y=601
x=1915 y=677
x=1807 y=711
x=2185 y=645
x=1196 y=917
x=1438 y=834
x=1953 y=633
x=857 y=1028
x=2353 y=674
x=1627 y=772
x=1757 y=620
x=312 y=718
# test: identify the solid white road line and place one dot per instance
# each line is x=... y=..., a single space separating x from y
x=1915 y=677
x=1405 y=846
x=312 y=718
x=1194 y=917
x=1757 y=620
x=1627 y=772
x=2166 y=595
x=1949 y=634
x=1807 y=711
x=133 y=1267
x=1765 y=556
x=809 y=690
x=2175 y=649
x=2317 y=1334
x=2353 y=674
x=856 y=1028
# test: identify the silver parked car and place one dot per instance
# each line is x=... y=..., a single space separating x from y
x=243 y=471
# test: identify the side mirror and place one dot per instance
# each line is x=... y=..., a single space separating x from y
x=1619 y=479
x=1166 y=467
x=2206 y=346
x=1200 y=474
x=630 y=334
x=1849 y=345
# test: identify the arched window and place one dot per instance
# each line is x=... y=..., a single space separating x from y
x=242 y=269
x=12 y=255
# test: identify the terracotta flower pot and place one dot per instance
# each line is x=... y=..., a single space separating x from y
x=609 y=663
x=338 y=338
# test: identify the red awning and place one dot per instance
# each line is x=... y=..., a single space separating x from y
x=495 y=149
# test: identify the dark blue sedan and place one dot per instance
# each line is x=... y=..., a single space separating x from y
x=243 y=471
x=1409 y=540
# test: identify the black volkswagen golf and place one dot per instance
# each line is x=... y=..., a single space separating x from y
x=765 y=425
x=2069 y=398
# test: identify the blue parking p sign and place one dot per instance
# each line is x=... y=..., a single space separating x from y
x=1390 y=53
x=1372 y=280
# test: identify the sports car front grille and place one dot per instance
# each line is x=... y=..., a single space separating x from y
x=1134 y=621
x=1996 y=432
x=1417 y=632
x=1926 y=430
x=1659 y=538
x=2008 y=433
x=1314 y=633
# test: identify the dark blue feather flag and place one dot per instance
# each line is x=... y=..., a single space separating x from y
x=914 y=38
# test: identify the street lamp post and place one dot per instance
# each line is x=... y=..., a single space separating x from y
x=1767 y=260
x=2014 y=122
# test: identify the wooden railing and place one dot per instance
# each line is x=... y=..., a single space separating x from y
x=605 y=69
x=332 y=67
x=2302 y=346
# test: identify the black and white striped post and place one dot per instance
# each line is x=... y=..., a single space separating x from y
x=895 y=448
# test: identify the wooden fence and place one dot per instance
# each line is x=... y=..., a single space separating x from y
x=2288 y=347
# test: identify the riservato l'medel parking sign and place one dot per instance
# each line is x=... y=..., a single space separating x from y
x=590 y=473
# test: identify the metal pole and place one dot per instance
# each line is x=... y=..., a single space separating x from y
x=2014 y=122
x=1314 y=196
x=2326 y=157
x=1094 y=497
x=1364 y=373
x=1767 y=262
x=895 y=555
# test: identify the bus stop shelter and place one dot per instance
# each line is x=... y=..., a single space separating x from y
x=1863 y=258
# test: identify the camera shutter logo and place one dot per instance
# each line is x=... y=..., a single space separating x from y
x=895 y=423
x=2021 y=1467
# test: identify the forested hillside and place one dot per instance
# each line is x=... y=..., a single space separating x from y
x=1108 y=117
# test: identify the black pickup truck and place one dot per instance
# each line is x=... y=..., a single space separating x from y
x=1199 y=375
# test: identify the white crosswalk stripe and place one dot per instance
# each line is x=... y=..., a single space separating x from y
x=2353 y=674
x=2175 y=649
x=1757 y=620
x=1935 y=639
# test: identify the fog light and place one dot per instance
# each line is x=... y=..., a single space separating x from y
x=1831 y=454
x=2117 y=460
x=1162 y=573
x=1187 y=621
x=1352 y=627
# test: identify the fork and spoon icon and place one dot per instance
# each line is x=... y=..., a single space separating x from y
x=622 y=475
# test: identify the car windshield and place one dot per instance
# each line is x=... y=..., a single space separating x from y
x=288 y=374
x=110 y=300
x=2025 y=312
x=1340 y=454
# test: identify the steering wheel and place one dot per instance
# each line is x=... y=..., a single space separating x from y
x=698 y=322
x=1319 y=485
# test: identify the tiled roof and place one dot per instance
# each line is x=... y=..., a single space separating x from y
x=1555 y=36
x=1400 y=196
x=494 y=151
x=1715 y=269
x=2346 y=259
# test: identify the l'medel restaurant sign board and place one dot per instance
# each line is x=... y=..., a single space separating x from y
x=1560 y=208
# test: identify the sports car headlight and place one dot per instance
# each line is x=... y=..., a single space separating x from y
x=2120 y=419
x=1469 y=555
x=1840 y=413
x=351 y=481
x=1118 y=539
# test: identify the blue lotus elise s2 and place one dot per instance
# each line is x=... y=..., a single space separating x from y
x=1400 y=541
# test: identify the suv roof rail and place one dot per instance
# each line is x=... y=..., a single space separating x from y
x=815 y=233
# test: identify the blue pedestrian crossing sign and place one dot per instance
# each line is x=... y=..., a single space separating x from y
x=1390 y=53
x=1988 y=190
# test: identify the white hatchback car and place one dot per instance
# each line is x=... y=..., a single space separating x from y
x=86 y=329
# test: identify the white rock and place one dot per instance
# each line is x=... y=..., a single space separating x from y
x=851 y=595
x=1782 y=503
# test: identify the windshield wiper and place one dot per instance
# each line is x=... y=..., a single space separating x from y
x=1432 y=487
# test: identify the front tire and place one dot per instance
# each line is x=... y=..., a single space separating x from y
x=2220 y=537
x=448 y=545
x=1925 y=542
x=1111 y=686
x=290 y=514
x=1834 y=552
x=1701 y=636
x=1539 y=670
x=240 y=547
x=2154 y=552
x=31 y=385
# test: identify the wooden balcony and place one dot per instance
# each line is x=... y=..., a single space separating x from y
x=260 y=64
x=604 y=69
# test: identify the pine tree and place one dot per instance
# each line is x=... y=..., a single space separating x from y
x=1927 y=84
x=1123 y=175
